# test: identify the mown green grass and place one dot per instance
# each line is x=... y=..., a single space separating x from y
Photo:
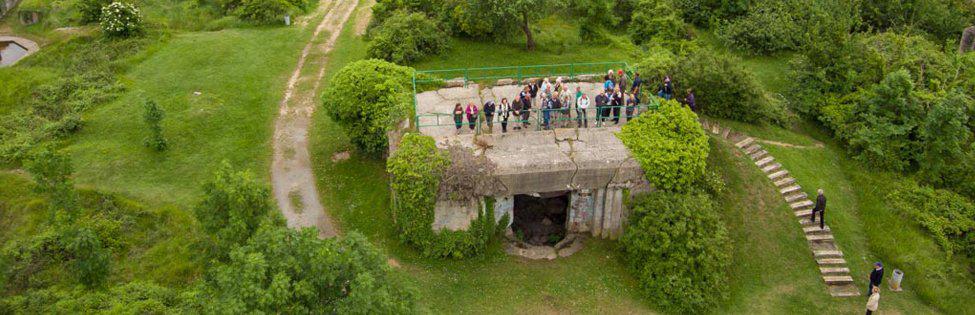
x=868 y=231
x=240 y=76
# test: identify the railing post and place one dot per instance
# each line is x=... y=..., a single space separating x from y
x=571 y=70
x=519 y=74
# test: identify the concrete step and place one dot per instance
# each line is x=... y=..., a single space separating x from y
x=832 y=262
x=778 y=175
x=834 y=271
x=844 y=290
x=838 y=279
x=790 y=189
x=771 y=168
x=819 y=237
x=827 y=254
x=758 y=155
x=804 y=214
x=726 y=133
x=745 y=142
x=785 y=182
x=801 y=205
x=795 y=197
x=715 y=129
x=815 y=229
x=753 y=148
x=764 y=161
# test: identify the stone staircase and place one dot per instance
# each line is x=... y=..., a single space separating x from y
x=828 y=256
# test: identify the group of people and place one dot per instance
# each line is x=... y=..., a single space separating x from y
x=876 y=275
x=555 y=103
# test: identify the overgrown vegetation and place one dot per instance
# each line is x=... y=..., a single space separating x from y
x=677 y=248
x=153 y=117
x=120 y=19
x=949 y=217
x=670 y=145
x=416 y=171
x=368 y=97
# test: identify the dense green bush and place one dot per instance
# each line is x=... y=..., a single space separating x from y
x=943 y=19
x=670 y=145
x=777 y=25
x=233 y=207
x=120 y=19
x=945 y=136
x=138 y=297
x=949 y=217
x=725 y=88
x=263 y=11
x=367 y=98
x=283 y=270
x=677 y=248
x=416 y=169
x=90 y=11
x=406 y=37
x=656 y=21
x=711 y=12
x=885 y=125
x=91 y=259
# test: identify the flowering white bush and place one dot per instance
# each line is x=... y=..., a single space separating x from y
x=121 y=19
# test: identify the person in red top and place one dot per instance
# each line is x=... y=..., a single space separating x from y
x=471 y=115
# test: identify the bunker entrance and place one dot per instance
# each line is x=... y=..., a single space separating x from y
x=541 y=220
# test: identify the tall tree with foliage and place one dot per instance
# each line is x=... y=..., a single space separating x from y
x=888 y=119
x=233 y=207
x=280 y=270
x=945 y=134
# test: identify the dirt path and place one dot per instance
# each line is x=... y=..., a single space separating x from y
x=291 y=171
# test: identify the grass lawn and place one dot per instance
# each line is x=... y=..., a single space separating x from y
x=240 y=75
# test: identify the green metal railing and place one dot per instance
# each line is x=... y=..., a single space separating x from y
x=558 y=118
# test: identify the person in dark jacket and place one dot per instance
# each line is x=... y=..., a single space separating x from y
x=667 y=89
x=458 y=116
x=504 y=112
x=637 y=82
x=533 y=90
x=690 y=101
x=876 y=275
x=820 y=207
x=488 y=109
x=601 y=101
x=631 y=104
x=616 y=100
x=526 y=103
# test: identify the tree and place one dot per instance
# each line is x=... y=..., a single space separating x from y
x=233 y=207
x=52 y=176
x=725 y=88
x=656 y=21
x=886 y=123
x=670 y=145
x=944 y=134
x=91 y=260
x=280 y=270
x=367 y=98
x=595 y=15
x=677 y=248
x=153 y=117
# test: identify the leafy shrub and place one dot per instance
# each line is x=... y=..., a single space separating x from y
x=91 y=10
x=944 y=136
x=263 y=11
x=138 y=297
x=656 y=21
x=51 y=172
x=678 y=249
x=91 y=259
x=406 y=37
x=885 y=126
x=367 y=97
x=233 y=207
x=949 y=217
x=120 y=19
x=670 y=145
x=153 y=117
x=416 y=169
x=776 y=25
x=283 y=270
x=710 y=12
x=725 y=88
x=943 y=19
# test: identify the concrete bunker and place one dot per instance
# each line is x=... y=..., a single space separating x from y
x=13 y=49
x=557 y=187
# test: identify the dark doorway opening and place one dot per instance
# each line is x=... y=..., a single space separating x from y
x=541 y=220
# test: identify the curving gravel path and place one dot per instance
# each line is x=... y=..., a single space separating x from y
x=291 y=173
